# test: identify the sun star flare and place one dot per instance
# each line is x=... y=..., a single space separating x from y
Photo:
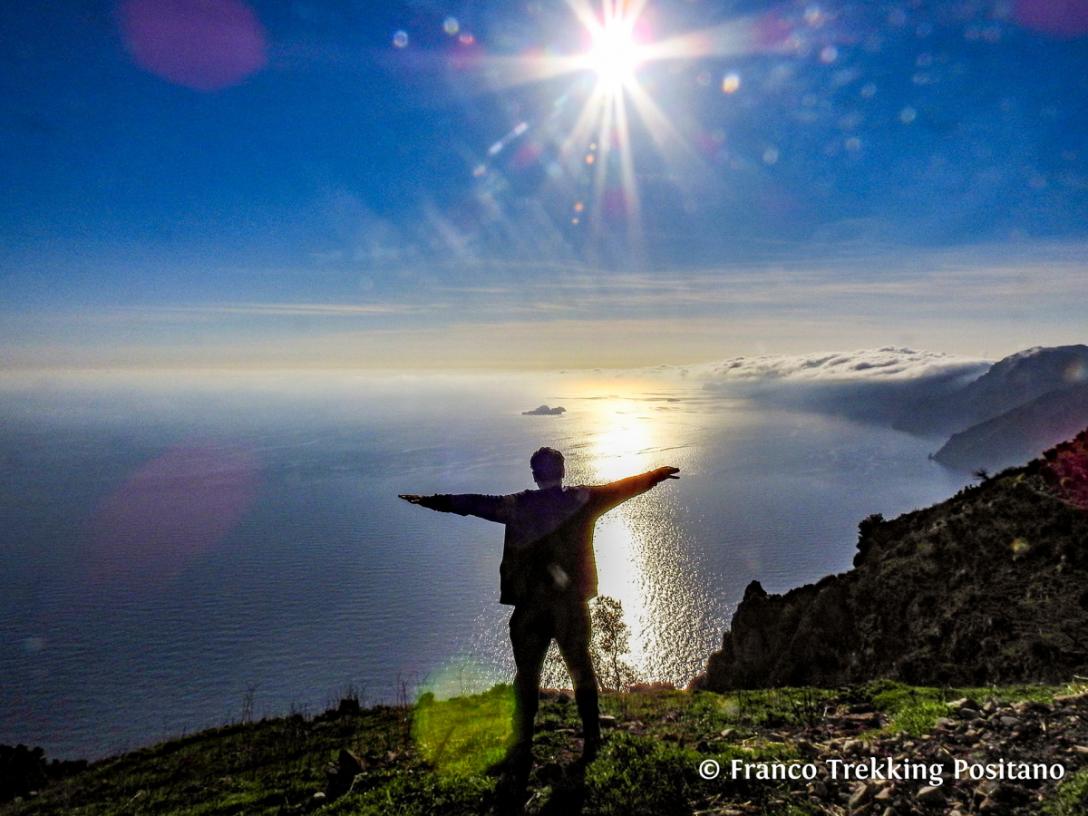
x=615 y=54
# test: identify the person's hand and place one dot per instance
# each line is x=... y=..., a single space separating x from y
x=663 y=473
x=411 y=498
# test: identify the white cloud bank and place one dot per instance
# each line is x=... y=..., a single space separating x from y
x=872 y=385
x=888 y=364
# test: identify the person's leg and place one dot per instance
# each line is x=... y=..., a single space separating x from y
x=530 y=634
x=573 y=636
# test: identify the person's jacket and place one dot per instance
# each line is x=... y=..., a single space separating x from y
x=548 y=549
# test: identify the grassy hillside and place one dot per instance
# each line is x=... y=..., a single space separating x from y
x=430 y=757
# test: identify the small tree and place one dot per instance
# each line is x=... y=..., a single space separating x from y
x=611 y=642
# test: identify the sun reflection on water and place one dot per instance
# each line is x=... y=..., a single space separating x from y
x=637 y=544
x=624 y=439
x=618 y=449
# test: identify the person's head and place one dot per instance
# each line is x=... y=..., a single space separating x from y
x=547 y=466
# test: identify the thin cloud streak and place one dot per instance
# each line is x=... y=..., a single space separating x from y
x=587 y=296
x=301 y=309
x=971 y=301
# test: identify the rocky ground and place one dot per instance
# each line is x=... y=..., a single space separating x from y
x=989 y=733
x=851 y=729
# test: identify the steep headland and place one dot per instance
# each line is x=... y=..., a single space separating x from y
x=1013 y=381
x=988 y=586
x=1020 y=434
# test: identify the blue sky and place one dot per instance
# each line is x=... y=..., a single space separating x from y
x=361 y=184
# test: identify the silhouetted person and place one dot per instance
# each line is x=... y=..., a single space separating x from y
x=548 y=574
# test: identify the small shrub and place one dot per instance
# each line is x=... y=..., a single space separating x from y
x=635 y=776
x=910 y=709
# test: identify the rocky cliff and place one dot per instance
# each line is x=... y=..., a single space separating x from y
x=988 y=586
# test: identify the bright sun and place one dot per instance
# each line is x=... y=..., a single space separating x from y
x=615 y=43
x=615 y=53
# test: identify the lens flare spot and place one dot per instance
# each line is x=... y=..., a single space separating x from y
x=731 y=83
x=400 y=39
x=1064 y=19
x=464 y=734
x=169 y=511
x=815 y=16
x=198 y=45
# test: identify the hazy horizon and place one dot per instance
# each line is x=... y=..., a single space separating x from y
x=16 y=372
x=1013 y=310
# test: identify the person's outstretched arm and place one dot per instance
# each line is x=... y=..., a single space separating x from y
x=492 y=508
x=607 y=496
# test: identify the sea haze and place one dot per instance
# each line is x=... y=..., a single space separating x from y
x=173 y=546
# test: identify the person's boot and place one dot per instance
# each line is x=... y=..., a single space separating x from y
x=517 y=761
x=589 y=711
x=591 y=746
x=512 y=789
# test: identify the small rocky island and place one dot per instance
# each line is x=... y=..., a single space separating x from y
x=544 y=410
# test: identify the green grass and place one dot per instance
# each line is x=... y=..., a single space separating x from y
x=638 y=776
x=254 y=768
x=431 y=758
x=914 y=710
x=693 y=715
x=1072 y=798
x=465 y=734
x=418 y=794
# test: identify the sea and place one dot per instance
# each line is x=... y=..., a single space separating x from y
x=180 y=550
